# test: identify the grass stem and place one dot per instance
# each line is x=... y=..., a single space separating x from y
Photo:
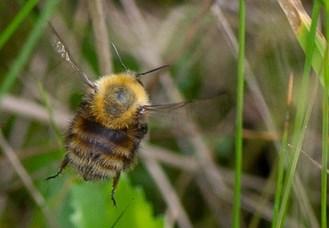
x=325 y=126
x=301 y=119
x=28 y=47
x=239 y=116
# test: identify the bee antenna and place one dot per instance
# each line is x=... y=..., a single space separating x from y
x=117 y=53
x=66 y=55
x=150 y=71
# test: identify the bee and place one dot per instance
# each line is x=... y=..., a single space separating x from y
x=104 y=136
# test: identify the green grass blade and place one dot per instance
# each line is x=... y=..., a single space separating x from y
x=279 y=180
x=282 y=158
x=28 y=47
x=300 y=23
x=325 y=126
x=239 y=116
x=44 y=97
x=309 y=53
x=325 y=131
x=19 y=18
x=301 y=117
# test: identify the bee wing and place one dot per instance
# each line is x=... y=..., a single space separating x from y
x=182 y=104
x=165 y=107
x=206 y=112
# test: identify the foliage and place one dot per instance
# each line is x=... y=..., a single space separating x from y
x=277 y=125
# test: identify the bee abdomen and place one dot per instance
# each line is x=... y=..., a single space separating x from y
x=98 y=152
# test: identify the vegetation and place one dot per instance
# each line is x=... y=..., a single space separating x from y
x=256 y=155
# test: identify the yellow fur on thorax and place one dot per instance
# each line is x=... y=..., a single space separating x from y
x=127 y=118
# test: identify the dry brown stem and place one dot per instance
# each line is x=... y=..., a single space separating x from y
x=169 y=195
x=26 y=179
x=96 y=9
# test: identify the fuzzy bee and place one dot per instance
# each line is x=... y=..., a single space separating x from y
x=104 y=136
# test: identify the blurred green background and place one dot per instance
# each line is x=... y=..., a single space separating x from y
x=184 y=176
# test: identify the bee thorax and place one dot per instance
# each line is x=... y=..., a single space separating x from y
x=118 y=100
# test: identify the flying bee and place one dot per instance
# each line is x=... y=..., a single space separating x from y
x=105 y=133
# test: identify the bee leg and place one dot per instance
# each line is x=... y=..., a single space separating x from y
x=64 y=163
x=85 y=178
x=115 y=182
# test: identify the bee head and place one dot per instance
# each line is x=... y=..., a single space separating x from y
x=118 y=100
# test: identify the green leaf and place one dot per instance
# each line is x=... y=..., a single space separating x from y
x=17 y=21
x=31 y=42
x=92 y=206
